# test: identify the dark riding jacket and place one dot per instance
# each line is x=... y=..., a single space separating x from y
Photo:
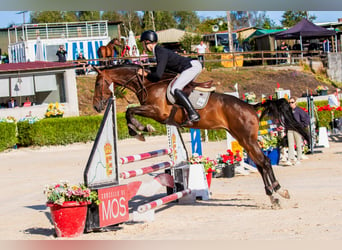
x=301 y=116
x=167 y=59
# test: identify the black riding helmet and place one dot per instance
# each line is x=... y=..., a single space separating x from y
x=149 y=35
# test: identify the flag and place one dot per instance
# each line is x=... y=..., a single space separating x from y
x=278 y=85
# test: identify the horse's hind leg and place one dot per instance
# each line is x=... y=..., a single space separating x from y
x=264 y=166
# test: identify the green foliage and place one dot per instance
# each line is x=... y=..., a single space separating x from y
x=188 y=40
x=291 y=18
x=186 y=20
x=7 y=135
x=59 y=131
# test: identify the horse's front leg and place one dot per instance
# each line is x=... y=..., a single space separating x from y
x=134 y=125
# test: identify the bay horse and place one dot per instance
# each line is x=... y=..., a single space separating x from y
x=108 y=51
x=222 y=111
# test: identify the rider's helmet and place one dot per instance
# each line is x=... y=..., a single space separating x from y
x=149 y=35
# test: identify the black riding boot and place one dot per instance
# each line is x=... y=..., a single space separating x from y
x=181 y=99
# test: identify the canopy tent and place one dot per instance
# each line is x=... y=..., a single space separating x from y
x=304 y=29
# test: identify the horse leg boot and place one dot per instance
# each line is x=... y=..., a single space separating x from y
x=182 y=100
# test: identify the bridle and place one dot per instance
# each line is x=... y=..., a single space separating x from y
x=140 y=90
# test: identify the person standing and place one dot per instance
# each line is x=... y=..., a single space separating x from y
x=61 y=54
x=201 y=49
x=187 y=68
x=293 y=137
x=284 y=47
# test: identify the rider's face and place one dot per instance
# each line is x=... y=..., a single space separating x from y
x=147 y=46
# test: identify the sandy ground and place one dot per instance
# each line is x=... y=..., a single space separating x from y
x=238 y=208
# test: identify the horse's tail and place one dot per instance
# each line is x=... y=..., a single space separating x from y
x=281 y=111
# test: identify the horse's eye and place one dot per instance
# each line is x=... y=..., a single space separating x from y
x=97 y=84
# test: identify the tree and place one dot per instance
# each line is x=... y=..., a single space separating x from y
x=88 y=15
x=186 y=20
x=111 y=16
x=46 y=16
x=206 y=26
x=161 y=20
x=131 y=21
x=188 y=40
x=291 y=18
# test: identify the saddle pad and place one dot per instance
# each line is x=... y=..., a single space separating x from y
x=198 y=99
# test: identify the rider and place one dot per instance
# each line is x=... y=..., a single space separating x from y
x=188 y=68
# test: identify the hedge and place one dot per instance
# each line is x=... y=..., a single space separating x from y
x=8 y=137
x=62 y=131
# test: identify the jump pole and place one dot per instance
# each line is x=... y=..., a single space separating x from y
x=146 y=170
x=156 y=203
x=144 y=156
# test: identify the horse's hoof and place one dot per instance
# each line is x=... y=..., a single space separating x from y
x=284 y=193
x=140 y=137
x=150 y=128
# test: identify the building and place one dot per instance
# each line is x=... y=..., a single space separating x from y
x=43 y=83
x=39 y=42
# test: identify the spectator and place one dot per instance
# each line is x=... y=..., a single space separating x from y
x=284 y=47
x=144 y=57
x=293 y=137
x=201 y=49
x=83 y=61
x=27 y=103
x=12 y=103
x=61 y=54
x=135 y=53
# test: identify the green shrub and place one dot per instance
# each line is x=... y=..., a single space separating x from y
x=8 y=137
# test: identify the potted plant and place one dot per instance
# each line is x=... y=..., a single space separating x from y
x=227 y=163
x=322 y=90
x=54 y=110
x=68 y=205
x=208 y=164
x=270 y=145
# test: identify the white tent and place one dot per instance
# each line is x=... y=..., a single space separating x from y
x=131 y=43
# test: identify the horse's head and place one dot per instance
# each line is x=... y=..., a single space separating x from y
x=122 y=75
x=115 y=41
x=102 y=91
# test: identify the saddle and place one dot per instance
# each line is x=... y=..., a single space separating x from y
x=198 y=94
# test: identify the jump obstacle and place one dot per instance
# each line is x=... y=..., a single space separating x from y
x=102 y=174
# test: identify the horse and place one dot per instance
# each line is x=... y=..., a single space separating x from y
x=222 y=111
x=108 y=51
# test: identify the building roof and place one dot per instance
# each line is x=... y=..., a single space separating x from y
x=30 y=66
x=171 y=35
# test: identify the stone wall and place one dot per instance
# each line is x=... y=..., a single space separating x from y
x=335 y=66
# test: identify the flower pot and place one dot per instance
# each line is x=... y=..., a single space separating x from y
x=228 y=171
x=322 y=92
x=69 y=219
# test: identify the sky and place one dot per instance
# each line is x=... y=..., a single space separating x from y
x=15 y=17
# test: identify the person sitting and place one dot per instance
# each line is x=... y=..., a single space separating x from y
x=187 y=68
x=27 y=103
x=12 y=103
x=83 y=61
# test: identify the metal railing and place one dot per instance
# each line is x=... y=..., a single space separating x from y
x=30 y=31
